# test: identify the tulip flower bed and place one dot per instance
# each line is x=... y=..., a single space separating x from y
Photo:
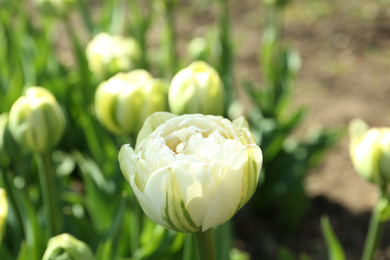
x=117 y=142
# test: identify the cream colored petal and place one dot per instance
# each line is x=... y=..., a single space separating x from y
x=225 y=200
x=151 y=123
x=241 y=122
x=236 y=187
x=198 y=188
x=166 y=195
x=128 y=166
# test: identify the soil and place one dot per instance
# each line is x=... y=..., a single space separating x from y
x=344 y=47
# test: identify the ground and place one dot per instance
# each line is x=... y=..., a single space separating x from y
x=345 y=51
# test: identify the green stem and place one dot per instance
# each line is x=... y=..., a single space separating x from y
x=226 y=61
x=205 y=241
x=169 y=37
x=135 y=226
x=375 y=230
x=49 y=193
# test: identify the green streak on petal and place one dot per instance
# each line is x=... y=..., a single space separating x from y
x=187 y=216
x=249 y=180
x=175 y=214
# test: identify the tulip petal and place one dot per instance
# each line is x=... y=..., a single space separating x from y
x=151 y=123
x=241 y=122
x=235 y=188
x=171 y=207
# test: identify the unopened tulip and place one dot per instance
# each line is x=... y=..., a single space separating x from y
x=109 y=54
x=124 y=101
x=66 y=246
x=192 y=172
x=3 y=212
x=370 y=152
x=36 y=120
x=197 y=89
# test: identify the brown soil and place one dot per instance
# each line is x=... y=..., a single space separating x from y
x=344 y=46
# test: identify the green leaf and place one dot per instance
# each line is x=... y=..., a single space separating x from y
x=335 y=250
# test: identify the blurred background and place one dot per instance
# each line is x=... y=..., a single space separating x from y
x=342 y=74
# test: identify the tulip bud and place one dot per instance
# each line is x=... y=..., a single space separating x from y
x=65 y=246
x=36 y=120
x=109 y=54
x=3 y=212
x=197 y=89
x=124 y=101
x=198 y=49
x=370 y=152
x=192 y=172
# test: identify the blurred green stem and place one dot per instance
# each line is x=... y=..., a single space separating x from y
x=169 y=40
x=226 y=62
x=139 y=24
x=135 y=226
x=375 y=229
x=49 y=193
x=206 y=247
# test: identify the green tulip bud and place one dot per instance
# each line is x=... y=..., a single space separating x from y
x=36 y=120
x=3 y=212
x=370 y=152
x=197 y=89
x=192 y=172
x=109 y=54
x=124 y=101
x=65 y=246
x=198 y=49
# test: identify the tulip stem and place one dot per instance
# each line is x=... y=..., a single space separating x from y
x=206 y=247
x=375 y=230
x=169 y=37
x=49 y=196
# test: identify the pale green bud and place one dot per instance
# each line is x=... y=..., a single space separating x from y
x=124 y=101
x=67 y=247
x=370 y=152
x=109 y=54
x=192 y=172
x=197 y=89
x=36 y=120
x=198 y=49
x=3 y=212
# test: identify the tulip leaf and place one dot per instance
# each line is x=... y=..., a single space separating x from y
x=335 y=250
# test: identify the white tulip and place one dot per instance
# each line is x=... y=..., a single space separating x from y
x=192 y=172
x=370 y=152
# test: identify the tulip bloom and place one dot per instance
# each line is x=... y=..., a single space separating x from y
x=3 y=212
x=36 y=120
x=192 y=172
x=123 y=102
x=370 y=152
x=108 y=54
x=197 y=89
x=66 y=246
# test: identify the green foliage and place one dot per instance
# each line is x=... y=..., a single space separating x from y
x=286 y=161
x=335 y=250
x=96 y=206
